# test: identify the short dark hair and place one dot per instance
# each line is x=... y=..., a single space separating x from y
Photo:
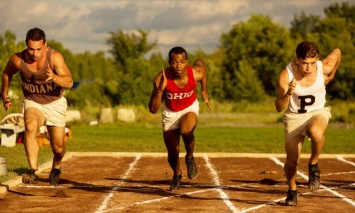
x=177 y=50
x=35 y=34
x=307 y=49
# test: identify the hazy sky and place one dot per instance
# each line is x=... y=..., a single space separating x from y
x=84 y=25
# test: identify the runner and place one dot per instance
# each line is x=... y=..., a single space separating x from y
x=44 y=74
x=176 y=85
x=301 y=89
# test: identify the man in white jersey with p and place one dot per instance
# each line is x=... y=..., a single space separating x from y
x=301 y=91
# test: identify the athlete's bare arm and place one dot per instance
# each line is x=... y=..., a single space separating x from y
x=330 y=65
x=284 y=91
x=62 y=77
x=159 y=85
x=200 y=75
x=12 y=67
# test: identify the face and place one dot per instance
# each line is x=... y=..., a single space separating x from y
x=35 y=49
x=307 y=66
x=178 y=62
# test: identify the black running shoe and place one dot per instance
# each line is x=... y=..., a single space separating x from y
x=291 y=199
x=29 y=176
x=175 y=184
x=313 y=177
x=191 y=167
x=54 y=177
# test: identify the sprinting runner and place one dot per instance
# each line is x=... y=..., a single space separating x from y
x=301 y=90
x=44 y=74
x=176 y=86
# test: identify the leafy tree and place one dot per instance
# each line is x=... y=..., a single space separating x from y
x=249 y=86
x=303 y=24
x=133 y=76
x=266 y=47
x=129 y=45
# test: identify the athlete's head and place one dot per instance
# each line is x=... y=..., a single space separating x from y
x=177 y=50
x=35 y=34
x=35 y=42
x=307 y=54
x=307 y=49
x=178 y=60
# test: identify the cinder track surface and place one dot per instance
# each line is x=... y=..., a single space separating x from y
x=139 y=182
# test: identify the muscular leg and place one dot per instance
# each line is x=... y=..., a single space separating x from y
x=316 y=129
x=187 y=126
x=293 y=151
x=56 y=135
x=34 y=119
x=172 y=143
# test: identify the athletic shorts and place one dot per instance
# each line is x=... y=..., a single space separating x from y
x=54 y=112
x=171 y=119
x=296 y=123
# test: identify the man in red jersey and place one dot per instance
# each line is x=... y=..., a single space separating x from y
x=44 y=75
x=176 y=85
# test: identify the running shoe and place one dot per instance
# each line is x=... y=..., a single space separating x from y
x=313 y=177
x=175 y=184
x=29 y=176
x=291 y=199
x=191 y=167
x=54 y=176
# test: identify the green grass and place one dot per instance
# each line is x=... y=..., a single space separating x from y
x=225 y=136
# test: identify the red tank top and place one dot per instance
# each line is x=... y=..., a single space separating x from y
x=34 y=85
x=177 y=99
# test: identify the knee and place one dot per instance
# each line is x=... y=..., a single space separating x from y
x=58 y=148
x=316 y=136
x=31 y=130
x=291 y=165
x=186 y=131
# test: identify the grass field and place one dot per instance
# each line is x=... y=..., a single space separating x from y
x=212 y=135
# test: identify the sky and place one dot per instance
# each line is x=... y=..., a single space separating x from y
x=85 y=25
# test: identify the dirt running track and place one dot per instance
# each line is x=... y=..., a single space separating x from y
x=138 y=182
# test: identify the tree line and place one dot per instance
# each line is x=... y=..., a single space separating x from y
x=245 y=66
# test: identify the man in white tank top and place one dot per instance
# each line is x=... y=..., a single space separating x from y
x=301 y=91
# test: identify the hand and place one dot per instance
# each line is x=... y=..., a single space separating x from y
x=50 y=74
x=292 y=86
x=205 y=96
x=6 y=101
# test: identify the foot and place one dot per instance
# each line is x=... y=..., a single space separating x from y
x=313 y=177
x=191 y=167
x=175 y=184
x=54 y=176
x=291 y=199
x=29 y=176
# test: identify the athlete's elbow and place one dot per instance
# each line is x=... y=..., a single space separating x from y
x=278 y=107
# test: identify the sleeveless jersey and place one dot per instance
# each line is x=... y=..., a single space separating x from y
x=308 y=99
x=177 y=99
x=34 y=85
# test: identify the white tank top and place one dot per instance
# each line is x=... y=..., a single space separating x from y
x=308 y=99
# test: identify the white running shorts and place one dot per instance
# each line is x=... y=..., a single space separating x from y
x=54 y=112
x=171 y=119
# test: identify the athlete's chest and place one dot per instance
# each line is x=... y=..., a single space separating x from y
x=36 y=65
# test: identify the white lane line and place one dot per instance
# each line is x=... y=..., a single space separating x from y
x=111 y=192
x=222 y=194
x=157 y=200
x=277 y=161
x=338 y=173
x=345 y=161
